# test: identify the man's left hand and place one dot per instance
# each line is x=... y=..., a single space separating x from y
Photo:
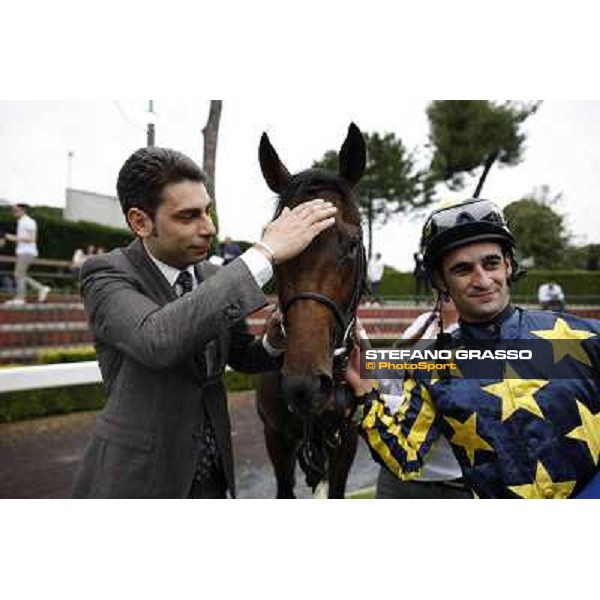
x=275 y=331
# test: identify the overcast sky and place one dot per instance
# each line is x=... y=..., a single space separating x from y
x=36 y=136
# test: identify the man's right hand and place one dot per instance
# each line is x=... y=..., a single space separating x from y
x=294 y=230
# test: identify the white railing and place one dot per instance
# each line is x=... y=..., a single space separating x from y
x=14 y=379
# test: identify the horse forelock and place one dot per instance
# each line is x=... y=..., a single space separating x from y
x=309 y=184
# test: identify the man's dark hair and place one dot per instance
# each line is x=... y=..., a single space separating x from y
x=147 y=171
x=22 y=206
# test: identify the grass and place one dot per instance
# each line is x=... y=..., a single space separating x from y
x=364 y=494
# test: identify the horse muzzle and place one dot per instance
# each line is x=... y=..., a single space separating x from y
x=307 y=395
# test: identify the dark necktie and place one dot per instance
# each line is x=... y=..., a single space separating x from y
x=208 y=466
x=184 y=283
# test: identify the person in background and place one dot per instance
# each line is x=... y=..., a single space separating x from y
x=231 y=250
x=551 y=296
x=77 y=262
x=26 y=251
x=375 y=270
x=421 y=278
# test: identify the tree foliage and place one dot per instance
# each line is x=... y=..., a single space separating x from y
x=540 y=231
x=392 y=183
x=465 y=133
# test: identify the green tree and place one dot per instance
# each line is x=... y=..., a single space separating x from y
x=540 y=231
x=392 y=184
x=468 y=134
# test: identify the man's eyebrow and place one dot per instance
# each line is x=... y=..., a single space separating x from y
x=490 y=257
x=463 y=264
x=194 y=210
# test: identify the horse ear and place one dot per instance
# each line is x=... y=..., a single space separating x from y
x=353 y=156
x=273 y=170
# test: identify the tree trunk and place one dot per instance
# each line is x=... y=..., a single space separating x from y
x=370 y=226
x=211 y=135
x=489 y=161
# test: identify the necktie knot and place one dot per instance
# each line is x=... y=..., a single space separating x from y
x=184 y=282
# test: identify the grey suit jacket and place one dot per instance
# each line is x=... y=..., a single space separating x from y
x=162 y=358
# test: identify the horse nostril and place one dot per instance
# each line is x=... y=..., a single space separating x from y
x=322 y=392
x=306 y=394
x=325 y=385
x=297 y=393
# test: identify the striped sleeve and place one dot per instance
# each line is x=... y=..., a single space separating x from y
x=400 y=441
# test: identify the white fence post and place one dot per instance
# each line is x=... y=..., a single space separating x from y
x=13 y=379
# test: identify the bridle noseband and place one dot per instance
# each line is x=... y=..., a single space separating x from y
x=346 y=322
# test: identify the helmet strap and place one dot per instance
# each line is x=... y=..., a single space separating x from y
x=443 y=338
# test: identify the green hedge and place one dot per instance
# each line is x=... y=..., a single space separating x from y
x=66 y=355
x=574 y=283
x=31 y=404
x=58 y=239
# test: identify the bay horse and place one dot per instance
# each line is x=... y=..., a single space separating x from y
x=302 y=406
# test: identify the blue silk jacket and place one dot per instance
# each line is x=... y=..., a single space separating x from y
x=530 y=431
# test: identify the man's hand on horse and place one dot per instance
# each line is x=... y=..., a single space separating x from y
x=289 y=234
x=274 y=330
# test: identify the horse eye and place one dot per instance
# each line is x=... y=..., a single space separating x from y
x=352 y=246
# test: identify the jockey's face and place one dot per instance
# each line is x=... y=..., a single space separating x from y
x=476 y=277
x=182 y=229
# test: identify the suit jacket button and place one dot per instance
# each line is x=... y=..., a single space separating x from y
x=233 y=311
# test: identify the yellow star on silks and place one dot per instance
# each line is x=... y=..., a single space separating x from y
x=516 y=393
x=588 y=431
x=566 y=341
x=543 y=486
x=465 y=435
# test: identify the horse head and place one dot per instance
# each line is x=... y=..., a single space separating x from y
x=319 y=290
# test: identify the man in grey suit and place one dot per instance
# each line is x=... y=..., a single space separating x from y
x=166 y=323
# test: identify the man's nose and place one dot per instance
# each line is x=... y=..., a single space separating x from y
x=481 y=277
x=207 y=227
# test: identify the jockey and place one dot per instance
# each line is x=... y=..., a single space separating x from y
x=524 y=430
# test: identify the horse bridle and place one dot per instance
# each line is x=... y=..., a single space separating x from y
x=309 y=455
x=346 y=322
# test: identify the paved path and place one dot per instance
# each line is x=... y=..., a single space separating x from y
x=39 y=457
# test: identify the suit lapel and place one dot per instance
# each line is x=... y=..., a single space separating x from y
x=155 y=284
x=158 y=288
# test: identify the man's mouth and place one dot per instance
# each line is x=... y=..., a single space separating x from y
x=486 y=296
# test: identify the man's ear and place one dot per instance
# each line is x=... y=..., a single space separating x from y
x=140 y=222
x=509 y=267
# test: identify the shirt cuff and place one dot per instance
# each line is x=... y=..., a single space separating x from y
x=258 y=265
x=271 y=350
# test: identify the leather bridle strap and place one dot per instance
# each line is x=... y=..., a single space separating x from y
x=321 y=299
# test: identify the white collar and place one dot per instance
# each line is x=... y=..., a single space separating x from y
x=171 y=273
